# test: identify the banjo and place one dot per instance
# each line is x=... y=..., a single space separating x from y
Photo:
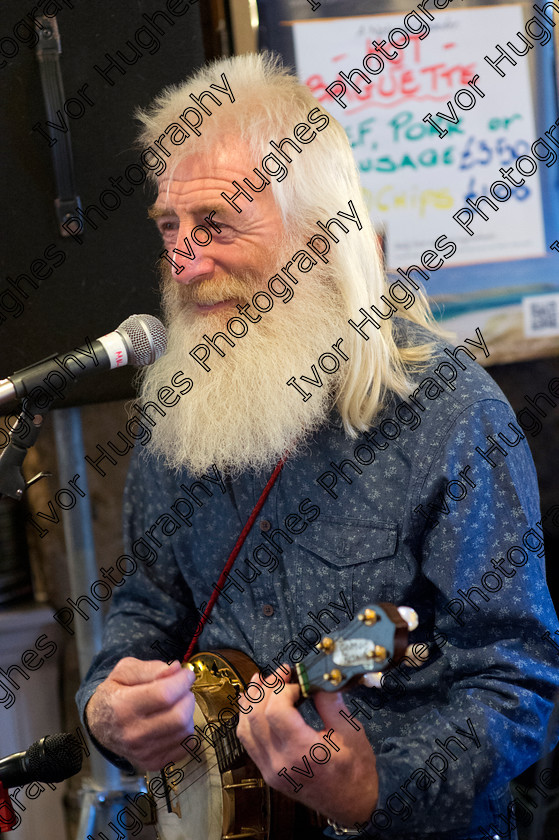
x=217 y=792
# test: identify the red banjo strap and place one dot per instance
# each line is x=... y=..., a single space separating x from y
x=233 y=556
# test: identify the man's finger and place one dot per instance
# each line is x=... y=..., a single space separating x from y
x=169 y=725
x=160 y=694
x=329 y=705
x=130 y=671
x=277 y=682
x=143 y=737
x=283 y=719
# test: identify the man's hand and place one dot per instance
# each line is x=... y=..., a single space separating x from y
x=345 y=787
x=143 y=710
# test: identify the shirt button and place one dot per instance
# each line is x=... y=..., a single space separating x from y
x=265 y=525
x=268 y=609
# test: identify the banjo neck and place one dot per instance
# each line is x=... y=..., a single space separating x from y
x=374 y=640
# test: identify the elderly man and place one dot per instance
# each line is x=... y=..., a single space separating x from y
x=405 y=479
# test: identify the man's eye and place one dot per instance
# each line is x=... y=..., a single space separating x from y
x=168 y=230
x=223 y=228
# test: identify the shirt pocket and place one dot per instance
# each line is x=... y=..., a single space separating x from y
x=356 y=555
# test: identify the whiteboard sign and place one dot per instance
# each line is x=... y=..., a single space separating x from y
x=413 y=179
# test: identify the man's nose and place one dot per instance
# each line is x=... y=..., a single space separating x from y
x=191 y=261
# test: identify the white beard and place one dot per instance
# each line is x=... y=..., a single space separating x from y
x=241 y=415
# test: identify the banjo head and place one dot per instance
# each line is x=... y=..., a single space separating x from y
x=196 y=801
x=217 y=792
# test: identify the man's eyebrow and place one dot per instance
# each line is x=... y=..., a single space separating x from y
x=222 y=210
x=217 y=208
x=156 y=211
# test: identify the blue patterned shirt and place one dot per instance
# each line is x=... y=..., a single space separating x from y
x=435 y=507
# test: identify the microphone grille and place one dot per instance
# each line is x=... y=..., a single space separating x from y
x=147 y=336
x=55 y=758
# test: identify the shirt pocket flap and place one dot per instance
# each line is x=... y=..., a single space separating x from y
x=347 y=542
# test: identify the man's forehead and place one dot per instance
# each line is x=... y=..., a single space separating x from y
x=216 y=162
x=209 y=173
x=197 y=184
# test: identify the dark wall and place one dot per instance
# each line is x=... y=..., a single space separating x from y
x=526 y=386
x=88 y=288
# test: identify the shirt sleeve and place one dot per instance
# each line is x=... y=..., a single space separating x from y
x=152 y=613
x=485 y=601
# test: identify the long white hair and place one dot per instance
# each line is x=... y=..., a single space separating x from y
x=322 y=179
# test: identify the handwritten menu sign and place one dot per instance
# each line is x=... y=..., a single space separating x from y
x=415 y=180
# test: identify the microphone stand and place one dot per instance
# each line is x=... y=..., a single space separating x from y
x=22 y=438
x=106 y=794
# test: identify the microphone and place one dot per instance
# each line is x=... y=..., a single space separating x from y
x=51 y=759
x=139 y=341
